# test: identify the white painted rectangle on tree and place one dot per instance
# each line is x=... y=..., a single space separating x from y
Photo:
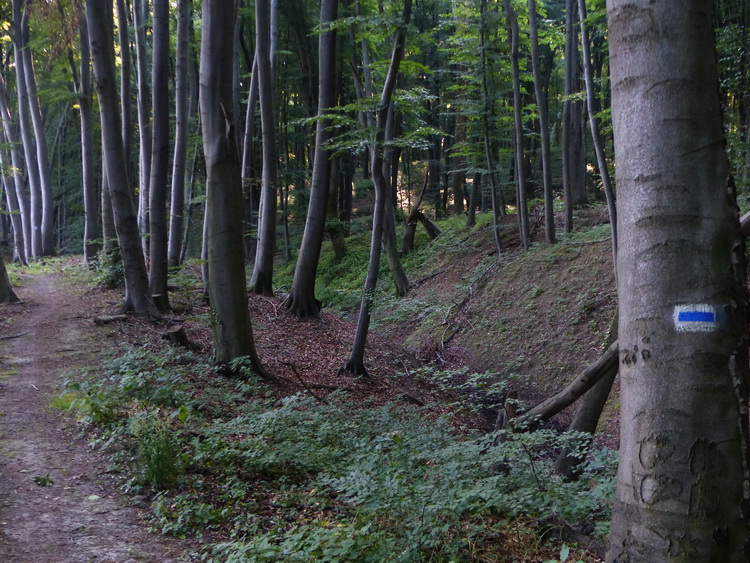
x=695 y=318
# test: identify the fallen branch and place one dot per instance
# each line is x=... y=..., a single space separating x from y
x=109 y=319
x=305 y=385
x=13 y=336
x=574 y=390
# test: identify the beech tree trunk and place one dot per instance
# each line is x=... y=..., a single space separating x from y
x=140 y=21
x=356 y=362
x=596 y=136
x=301 y=300
x=14 y=180
x=90 y=195
x=158 y=226
x=262 y=279
x=137 y=296
x=683 y=302
x=541 y=103
x=523 y=210
x=230 y=319
x=27 y=136
x=40 y=141
x=7 y=295
x=573 y=161
x=177 y=202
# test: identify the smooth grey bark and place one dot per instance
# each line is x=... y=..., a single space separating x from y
x=523 y=210
x=40 y=142
x=683 y=302
x=7 y=295
x=541 y=103
x=123 y=33
x=14 y=179
x=83 y=89
x=230 y=319
x=182 y=124
x=249 y=172
x=157 y=191
x=137 y=296
x=140 y=22
x=27 y=137
x=596 y=136
x=390 y=174
x=498 y=206
x=301 y=300
x=356 y=362
x=573 y=158
x=262 y=278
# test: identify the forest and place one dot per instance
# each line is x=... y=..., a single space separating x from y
x=350 y=280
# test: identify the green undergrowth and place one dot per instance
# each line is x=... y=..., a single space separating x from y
x=264 y=477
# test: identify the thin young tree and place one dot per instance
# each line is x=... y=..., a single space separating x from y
x=230 y=319
x=140 y=22
x=518 y=142
x=40 y=158
x=182 y=121
x=301 y=300
x=262 y=278
x=157 y=203
x=356 y=362
x=99 y=18
x=682 y=481
x=541 y=104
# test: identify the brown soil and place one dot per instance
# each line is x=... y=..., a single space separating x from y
x=81 y=516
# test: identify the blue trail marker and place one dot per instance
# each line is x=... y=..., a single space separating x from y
x=695 y=318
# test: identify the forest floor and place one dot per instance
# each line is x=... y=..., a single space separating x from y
x=61 y=499
x=59 y=502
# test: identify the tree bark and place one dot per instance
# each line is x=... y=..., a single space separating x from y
x=140 y=21
x=262 y=279
x=29 y=148
x=230 y=319
x=137 y=297
x=356 y=362
x=541 y=103
x=681 y=286
x=40 y=141
x=14 y=180
x=301 y=300
x=7 y=295
x=182 y=123
x=596 y=136
x=523 y=211
x=157 y=191
x=572 y=132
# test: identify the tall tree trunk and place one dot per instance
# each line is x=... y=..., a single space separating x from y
x=137 y=297
x=140 y=21
x=356 y=362
x=249 y=167
x=182 y=122
x=390 y=244
x=27 y=136
x=158 y=226
x=541 y=102
x=7 y=295
x=594 y=122
x=123 y=32
x=14 y=179
x=683 y=301
x=262 y=279
x=301 y=300
x=230 y=319
x=41 y=156
x=523 y=210
x=90 y=205
x=573 y=158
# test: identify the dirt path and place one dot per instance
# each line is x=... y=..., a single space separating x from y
x=81 y=517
